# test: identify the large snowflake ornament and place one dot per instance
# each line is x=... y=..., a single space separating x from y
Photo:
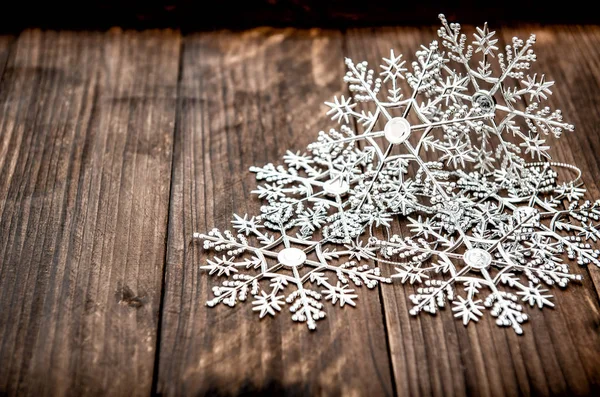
x=468 y=108
x=441 y=125
x=452 y=145
x=498 y=83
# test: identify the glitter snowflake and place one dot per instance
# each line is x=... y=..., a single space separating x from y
x=307 y=193
x=487 y=249
x=279 y=270
x=466 y=111
x=509 y=94
x=386 y=187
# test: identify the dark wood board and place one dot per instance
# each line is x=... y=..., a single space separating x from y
x=87 y=123
x=116 y=146
x=244 y=99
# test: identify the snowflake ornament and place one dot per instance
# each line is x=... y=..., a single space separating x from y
x=467 y=109
x=281 y=270
x=495 y=249
x=307 y=193
x=490 y=230
x=508 y=94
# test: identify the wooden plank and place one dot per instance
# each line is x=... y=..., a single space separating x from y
x=425 y=352
x=87 y=120
x=246 y=98
x=568 y=56
x=437 y=355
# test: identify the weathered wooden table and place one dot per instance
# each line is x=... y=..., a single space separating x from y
x=115 y=147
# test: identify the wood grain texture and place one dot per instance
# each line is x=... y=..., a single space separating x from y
x=245 y=99
x=115 y=147
x=87 y=122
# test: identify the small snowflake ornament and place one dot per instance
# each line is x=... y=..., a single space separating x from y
x=278 y=271
x=308 y=193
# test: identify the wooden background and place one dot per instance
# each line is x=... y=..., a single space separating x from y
x=116 y=146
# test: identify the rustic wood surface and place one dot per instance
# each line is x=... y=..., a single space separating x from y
x=115 y=147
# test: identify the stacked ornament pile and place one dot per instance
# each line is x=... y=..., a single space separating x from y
x=450 y=152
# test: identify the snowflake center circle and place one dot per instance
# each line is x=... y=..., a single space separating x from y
x=397 y=130
x=336 y=187
x=485 y=101
x=292 y=257
x=477 y=258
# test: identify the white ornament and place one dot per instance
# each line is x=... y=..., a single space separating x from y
x=496 y=238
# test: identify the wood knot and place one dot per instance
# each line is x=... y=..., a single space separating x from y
x=127 y=297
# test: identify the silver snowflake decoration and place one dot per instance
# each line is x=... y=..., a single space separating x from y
x=486 y=248
x=280 y=270
x=307 y=194
x=489 y=229
x=508 y=94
